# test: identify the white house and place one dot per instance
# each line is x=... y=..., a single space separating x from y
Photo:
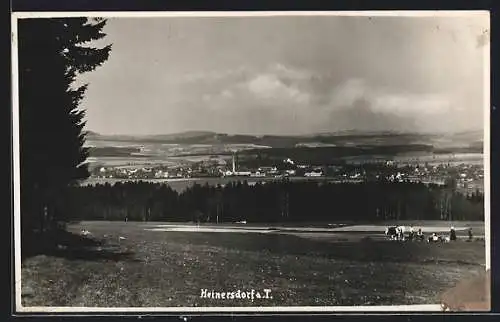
x=313 y=174
x=242 y=173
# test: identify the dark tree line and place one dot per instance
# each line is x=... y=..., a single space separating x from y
x=52 y=53
x=274 y=202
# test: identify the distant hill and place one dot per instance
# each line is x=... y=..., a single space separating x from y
x=148 y=138
x=346 y=138
x=182 y=136
x=92 y=134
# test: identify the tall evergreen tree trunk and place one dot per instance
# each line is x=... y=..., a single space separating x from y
x=51 y=54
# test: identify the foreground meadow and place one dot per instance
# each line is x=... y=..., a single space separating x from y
x=148 y=268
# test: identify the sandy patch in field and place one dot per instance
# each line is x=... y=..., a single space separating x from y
x=209 y=230
x=222 y=226
x=306 y=233
x=249 y=229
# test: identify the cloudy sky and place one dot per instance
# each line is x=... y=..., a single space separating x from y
x=289 y=75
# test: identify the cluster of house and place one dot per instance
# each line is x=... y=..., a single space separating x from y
x=468 y=176
x=212 y=169
x=272 y=171
x=138 y=173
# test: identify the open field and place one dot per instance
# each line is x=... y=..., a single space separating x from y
x=168 y=268
x=160 y=158
x=116 y=151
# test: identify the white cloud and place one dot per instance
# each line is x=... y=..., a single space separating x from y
x=269 y=86
x=264 y=85
x=214 y=75
x=411 y=104
x=227 y=93
x=274 y=86
x=348 y=93
x=292 y=73
x=287 y=93
x=385 y=101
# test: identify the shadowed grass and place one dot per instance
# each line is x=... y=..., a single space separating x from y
x=71 y=246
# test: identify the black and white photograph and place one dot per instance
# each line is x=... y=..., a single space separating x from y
x=251 y=161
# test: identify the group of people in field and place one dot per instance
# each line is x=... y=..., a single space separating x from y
x=398 y=233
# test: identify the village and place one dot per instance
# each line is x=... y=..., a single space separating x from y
x=467 y=176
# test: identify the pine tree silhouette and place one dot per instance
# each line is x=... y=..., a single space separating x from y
x=52 y=53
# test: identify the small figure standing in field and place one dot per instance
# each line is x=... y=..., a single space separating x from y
x=470 y=234
x=401 y=232
x=126 y=218
x=453 y=234
x=411 y=233
x=420 y=234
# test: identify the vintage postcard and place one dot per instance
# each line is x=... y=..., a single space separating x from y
x=251 y=161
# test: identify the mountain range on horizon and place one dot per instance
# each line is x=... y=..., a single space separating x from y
x=201 y=133
x=468 y=138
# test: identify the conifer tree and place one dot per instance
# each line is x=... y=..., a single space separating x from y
x=52 y=53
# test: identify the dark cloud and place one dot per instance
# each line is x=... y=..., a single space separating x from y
x=361 y=116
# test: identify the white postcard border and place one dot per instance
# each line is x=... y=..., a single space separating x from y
x=15 y=16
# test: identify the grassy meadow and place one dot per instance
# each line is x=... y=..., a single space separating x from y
x=148 y=268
